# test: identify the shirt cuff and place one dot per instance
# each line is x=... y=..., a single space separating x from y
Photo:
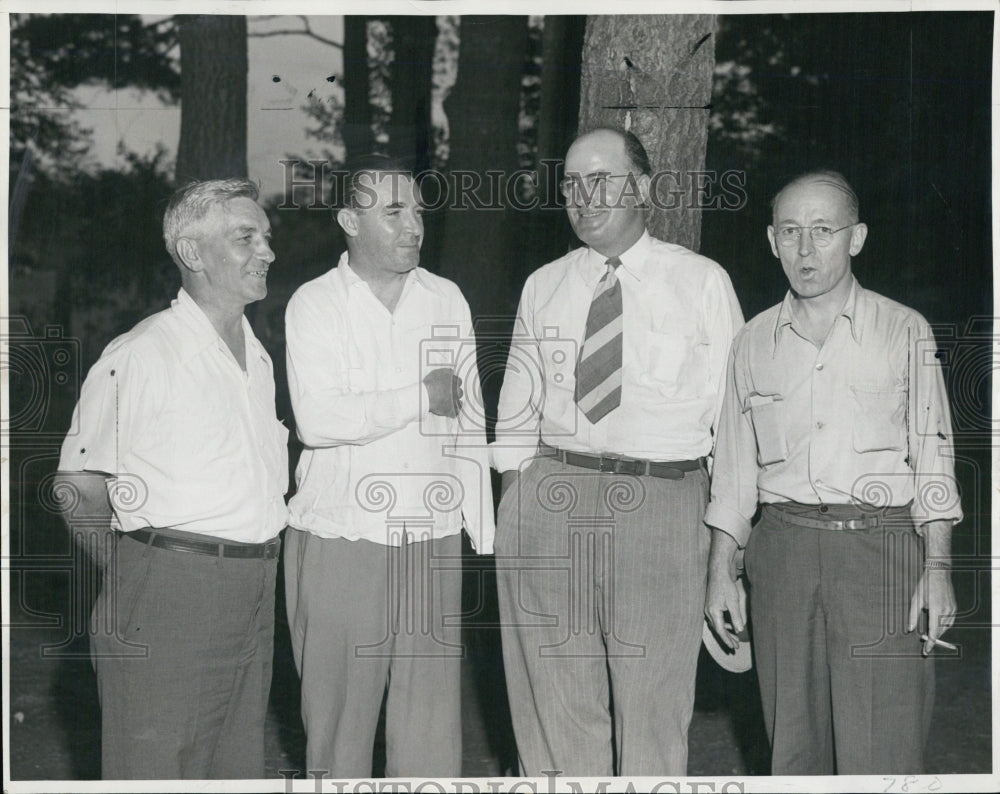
x=505 y=456
x=729 y=521
x=410 y=403
x=921 y=521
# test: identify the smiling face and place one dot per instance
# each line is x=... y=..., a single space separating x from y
x=815 y=271
x=233 y=253
x=386 y=228
x=609 y=220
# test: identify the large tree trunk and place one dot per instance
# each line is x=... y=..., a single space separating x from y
x=357 y=128
x=213 y=141
x=479 y=248
x=413 y=39
x=652 y=74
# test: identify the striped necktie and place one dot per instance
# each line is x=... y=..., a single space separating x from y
x=599 y=367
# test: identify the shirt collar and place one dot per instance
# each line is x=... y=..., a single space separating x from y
x=854 y=311
x=633 y=261
x=201 y=334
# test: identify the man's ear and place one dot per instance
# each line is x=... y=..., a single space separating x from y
x=348 y=220
x=858 y=236
x=774 y=244
x=643 y=183
x=190 y=256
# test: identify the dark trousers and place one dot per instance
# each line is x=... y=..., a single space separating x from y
x=844 y=689
x=182 y=644
x=601 y=581
x=364 y=615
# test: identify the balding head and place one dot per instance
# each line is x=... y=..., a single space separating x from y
x=827 y=177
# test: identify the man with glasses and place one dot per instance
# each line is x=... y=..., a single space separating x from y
x=836 y=422
x=606 y=415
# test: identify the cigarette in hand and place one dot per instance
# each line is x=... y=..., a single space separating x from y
x=942 y=643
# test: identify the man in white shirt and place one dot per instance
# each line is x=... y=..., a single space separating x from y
x=610 y=398
x=175 y=443
x=389 y=475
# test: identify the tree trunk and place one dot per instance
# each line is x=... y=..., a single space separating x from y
x=652 y=74
x=480 y=245
x=550 y=235
x=213 y=140
x=357 y=128
x=409 y=128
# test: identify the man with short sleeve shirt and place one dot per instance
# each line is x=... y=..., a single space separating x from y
x=606 y=415
x=391 y=472
x=836 y=423
x=175 y=444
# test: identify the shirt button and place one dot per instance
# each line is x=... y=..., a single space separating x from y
x=819 y=482
x=819 y=425
x=819 y=366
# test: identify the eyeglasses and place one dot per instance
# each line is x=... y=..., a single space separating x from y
x=588 y=186
x=821 y=235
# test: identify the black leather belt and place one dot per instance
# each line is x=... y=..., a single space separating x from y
x=267 y=551
x=620 y=464
x=861 y=521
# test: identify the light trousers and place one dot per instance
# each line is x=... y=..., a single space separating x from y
x=363 y=616
x=601 y=582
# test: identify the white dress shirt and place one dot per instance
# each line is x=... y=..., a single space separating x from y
x=679 y=317
x=191 y=438
x=378 y=465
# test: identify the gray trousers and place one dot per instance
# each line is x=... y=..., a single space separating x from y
x=844 y=689
x=182 y=644
x=364 y=615
x=601 y=583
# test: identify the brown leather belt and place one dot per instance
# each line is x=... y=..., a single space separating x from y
x=860 y=521
x=621 y=464
x=266 y=551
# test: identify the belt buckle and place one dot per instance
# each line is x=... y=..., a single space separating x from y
x=608 y=464
x=868 y=522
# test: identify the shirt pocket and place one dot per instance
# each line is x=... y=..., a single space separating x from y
x=879 y=418
x=766 y=415
x=667 y=353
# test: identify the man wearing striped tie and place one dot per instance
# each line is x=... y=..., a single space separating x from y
x=610 y=399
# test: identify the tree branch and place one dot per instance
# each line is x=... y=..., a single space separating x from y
x=307 y=32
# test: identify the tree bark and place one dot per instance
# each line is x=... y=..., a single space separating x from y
x=479 y=247
x=409 y=128
x=357 y=128
x=213 y=139
x=652 y=74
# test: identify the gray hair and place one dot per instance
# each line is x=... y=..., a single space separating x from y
x=824 y=176
x=191 y=203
